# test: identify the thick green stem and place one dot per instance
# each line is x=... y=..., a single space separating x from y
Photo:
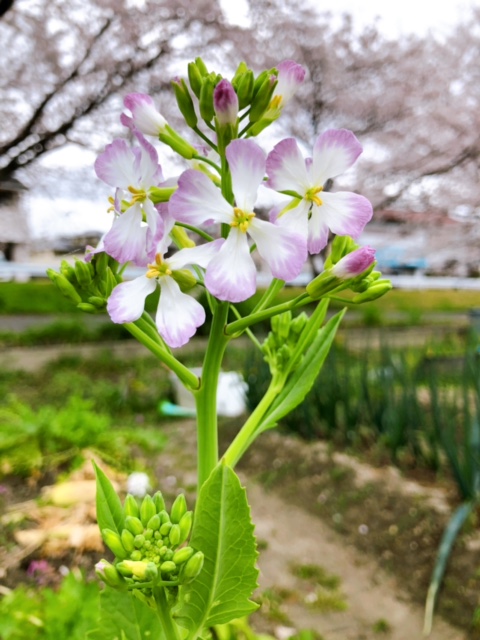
x=206 y=396
x=168 y=625
x=188 y=378
x=241 y=325
x=248 y=432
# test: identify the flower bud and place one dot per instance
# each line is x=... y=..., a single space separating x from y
x=290 y=77
x=127 y=539
x=262 y=98
x=130 y=506
x=179 y=508
x=298 y=324
x=183 y=241
x=154 y=523
x=195 y=78
x=185 y=102
x=83 y=273
x=377 y=290
x=159 y=502
x=139 y=540
x=164 y=517
x=206 y=98
x=64 y=286
x=182 y=555
x=109 y=574
x=100 y=262
x=201 y=66
x=134 y=525
x=245 y=89
x=225 y=102
x=281 y=326
x=354 y=263
x=97 y=302
x=136 y=555
x=165 y=528
x=168 y=567
x=113 y=541
x=185 y=279
x=147 y=510
x=145 y=117
x=87 y=307
x=185 y=525
x=193 y=567
x=242 y=69
x=174 y=535
x=177 y=143
x=161 y=194
x=138 y=569
x=68 y=271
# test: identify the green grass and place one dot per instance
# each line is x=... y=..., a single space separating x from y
x=43 y=297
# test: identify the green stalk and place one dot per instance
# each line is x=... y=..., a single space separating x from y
x=206 y=396
x=188 y=378
x=247 y=433
x=168 y=625
x=241 y=325
x=275 y=287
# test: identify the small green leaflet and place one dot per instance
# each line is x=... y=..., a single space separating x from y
x=300 y=383
x=223 y=531
x=109 y=508
x=123 y=617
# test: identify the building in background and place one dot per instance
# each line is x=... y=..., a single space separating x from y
x=15 y=237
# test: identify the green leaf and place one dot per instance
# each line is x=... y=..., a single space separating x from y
x=109 y=508
x=223 y=531
x=124 y=617
x=300 y=383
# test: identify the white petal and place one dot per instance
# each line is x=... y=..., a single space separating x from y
x=178 y=314
x=115 y=165
x=231 y=275
x=345 y=213
x=247 y=166
x=286 y=168
x=127 y=301
x=201 y=255
x=197 y=200
x=334 y=152
x=283 y=250
x=126 y=241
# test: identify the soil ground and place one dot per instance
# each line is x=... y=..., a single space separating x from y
x=347 y=549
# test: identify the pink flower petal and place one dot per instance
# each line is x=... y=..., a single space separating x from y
x=178 y=314
x=345 y=213
x=334 y=152
x=115 y=165
x=197 y=200
x=318 y=232
x=290 y=77
x=126 y=240
x=284 y=251
x=354 y=263
x=127 y=301
x=247 y=166
x=286 y=168
x=200 y=256
x=145 y=116
x=231 y=275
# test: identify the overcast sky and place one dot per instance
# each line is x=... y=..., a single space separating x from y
x=392 y=18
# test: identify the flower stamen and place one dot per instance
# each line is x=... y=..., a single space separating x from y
x=242 y=219
x=159 y=268
x=311 y=196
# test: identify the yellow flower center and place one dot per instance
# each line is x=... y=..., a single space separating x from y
x=276 y=102
x=139 y=195
x=158 y=269
x=311 y=196
x=242 y=219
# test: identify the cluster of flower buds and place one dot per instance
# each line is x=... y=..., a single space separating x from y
x=220 y=100
x=350 y=266
x=87 y=284
x=151 y=549
x=280 y=343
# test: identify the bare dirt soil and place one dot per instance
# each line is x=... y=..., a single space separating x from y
x=345 y=549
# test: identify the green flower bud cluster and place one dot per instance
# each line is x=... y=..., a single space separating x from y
x=150 y=550
x=282 y=340
x=253 y=93
x=368 y=285
x=87 y=284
